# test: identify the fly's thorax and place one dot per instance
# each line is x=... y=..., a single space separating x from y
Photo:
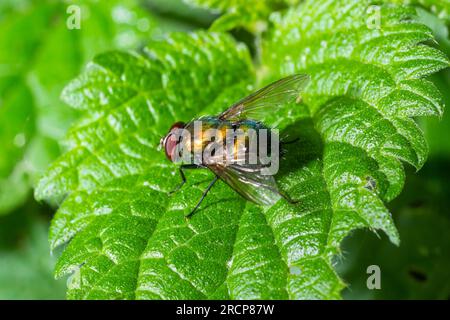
x=193 y=138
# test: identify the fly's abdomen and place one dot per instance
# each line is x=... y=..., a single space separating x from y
x=256 y=146
x=222 y=142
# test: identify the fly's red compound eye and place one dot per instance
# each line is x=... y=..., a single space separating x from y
x=170 y=144
x=172 y=139
x=177 y=125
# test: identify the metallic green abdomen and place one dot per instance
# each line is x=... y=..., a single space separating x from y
x=238 y=139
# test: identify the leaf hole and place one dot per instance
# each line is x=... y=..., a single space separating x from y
x=371 y=183
x=417 y=275
x=295 y=270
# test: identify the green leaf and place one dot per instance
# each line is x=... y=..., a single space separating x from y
x=127 y=238
x=144 y=95
x=436 y=129
x=378 y=71
x=441 y=8
x=418 y=269
x=249 y=14
x=39 y=55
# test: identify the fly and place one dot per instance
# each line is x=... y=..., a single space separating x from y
x=232 y=161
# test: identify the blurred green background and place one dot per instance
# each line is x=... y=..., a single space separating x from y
x=39 y=55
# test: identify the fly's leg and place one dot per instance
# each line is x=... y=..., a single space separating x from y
x=183 y=177
x=203 y=196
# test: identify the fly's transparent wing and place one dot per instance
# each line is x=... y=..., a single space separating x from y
x=248 y=181
x=267 y=100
